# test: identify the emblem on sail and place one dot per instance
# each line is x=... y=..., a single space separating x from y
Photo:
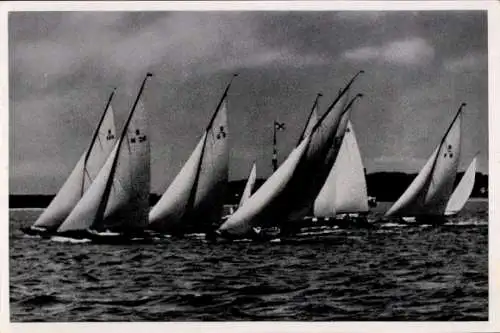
x=195 y=197
x=118 y=199
x=430 y=191
x=84 y=172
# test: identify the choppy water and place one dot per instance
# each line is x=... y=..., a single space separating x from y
x=396 y=272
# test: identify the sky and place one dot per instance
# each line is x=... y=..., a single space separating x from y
x=419 y=67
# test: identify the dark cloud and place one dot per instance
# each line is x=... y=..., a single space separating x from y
x=419 y=67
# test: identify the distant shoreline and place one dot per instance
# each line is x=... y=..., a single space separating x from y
x=381 y=203
x=376 y=184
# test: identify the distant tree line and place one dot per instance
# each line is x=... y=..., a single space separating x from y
x=385 y=186
x=388 y=186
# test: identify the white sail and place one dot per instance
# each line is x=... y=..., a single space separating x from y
x=120 y=192
x=197 y=193
x=84 y=214
x=411 y=201
x=429 y=192
x=247 y=191
x=172 y=203
x=128 y=201
x=463 y=190
x=345 y=188
x=83 y=173
x=255 y=207
x=213 y=176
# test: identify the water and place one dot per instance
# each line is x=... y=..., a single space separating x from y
x=396 y=272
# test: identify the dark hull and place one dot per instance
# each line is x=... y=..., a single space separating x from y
x=43 y=233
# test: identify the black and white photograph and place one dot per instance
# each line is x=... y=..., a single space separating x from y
x=256 y=164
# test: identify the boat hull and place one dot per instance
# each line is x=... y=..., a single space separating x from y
x=41 y=232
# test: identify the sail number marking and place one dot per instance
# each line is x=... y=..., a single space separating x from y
x=221 y=133
x=110 y=135
x=138 y=137
x=449 y=152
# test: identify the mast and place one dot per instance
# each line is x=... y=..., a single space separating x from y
x=315 y=104
x=221 y=101
x=277 y=126
x=94 y=137
x=275 y=150
x=442 y=141
x=192 y=194
x=341 y=93
x=109 y=182
x=351 y=102
x=334 y=140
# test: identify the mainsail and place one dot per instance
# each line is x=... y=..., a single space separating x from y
x=247 y=191
x=119 y=196
x=258 y=207
x=463 y=190
x=195 y=197
x=345 y=188
x=84 y=172
x=289 y=187
x=430 y=191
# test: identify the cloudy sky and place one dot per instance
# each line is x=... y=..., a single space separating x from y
x=419 y=67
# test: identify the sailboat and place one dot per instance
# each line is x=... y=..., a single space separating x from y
x=79 y=180
x=194 y=200
x=314 y=172
x=462 y=191
x=288 y=188
x=427 y=196
x=344 y=191
x=115 y=207
x=338 y=180
x=259 y=206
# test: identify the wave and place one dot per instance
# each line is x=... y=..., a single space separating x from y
x=61 y=239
